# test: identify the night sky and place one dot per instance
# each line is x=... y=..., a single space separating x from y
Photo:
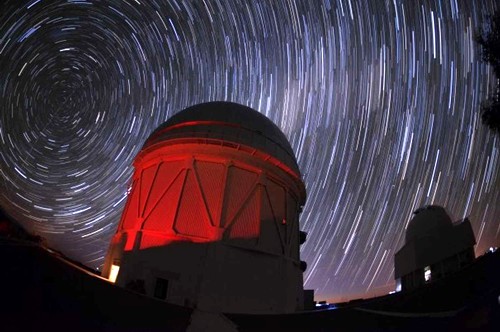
x=379 y=99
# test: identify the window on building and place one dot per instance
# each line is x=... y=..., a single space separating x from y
x=427 y=274
x=161 y=288
x=136 y=285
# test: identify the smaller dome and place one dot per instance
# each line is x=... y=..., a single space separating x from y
x=427 y=220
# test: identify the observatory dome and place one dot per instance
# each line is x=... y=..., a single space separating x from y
x=212 y=215
x=229 y=122
x=426 y=220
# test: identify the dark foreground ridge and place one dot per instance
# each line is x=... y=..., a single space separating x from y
x=42 y=291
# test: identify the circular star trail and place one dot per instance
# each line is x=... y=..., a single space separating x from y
x=379 y=99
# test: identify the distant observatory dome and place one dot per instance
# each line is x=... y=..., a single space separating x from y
x=434 y=248
x=230 y=122
x=426 y=220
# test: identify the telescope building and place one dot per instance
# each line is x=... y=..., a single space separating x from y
x=212 y=217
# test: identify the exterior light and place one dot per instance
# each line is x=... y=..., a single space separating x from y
x=114 y=273
x=427 y=274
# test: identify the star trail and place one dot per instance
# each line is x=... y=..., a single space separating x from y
x=379 y=99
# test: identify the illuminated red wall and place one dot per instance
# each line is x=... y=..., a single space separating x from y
x=209 y=190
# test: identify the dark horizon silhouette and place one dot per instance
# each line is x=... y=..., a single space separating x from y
x=381 y=104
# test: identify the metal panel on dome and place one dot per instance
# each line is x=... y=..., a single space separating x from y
x=230 y=122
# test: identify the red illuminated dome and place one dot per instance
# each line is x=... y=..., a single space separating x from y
x=212 y=216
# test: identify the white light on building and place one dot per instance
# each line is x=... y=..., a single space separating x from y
x=427 y=273
x=114 y=273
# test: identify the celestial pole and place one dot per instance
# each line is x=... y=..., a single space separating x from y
x=379 y=99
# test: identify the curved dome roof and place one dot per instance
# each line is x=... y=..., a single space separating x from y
x=230 y=122
x=427 y=220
